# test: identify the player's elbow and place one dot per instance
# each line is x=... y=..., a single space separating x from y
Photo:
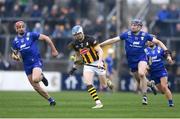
x=44 y=37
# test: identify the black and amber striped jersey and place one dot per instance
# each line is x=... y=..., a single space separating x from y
x=86 y=49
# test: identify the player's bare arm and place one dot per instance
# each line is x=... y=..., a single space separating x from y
x=110 y=41
x=159 y=43
x=54 y=52
x=167 y=52
x=100 y=53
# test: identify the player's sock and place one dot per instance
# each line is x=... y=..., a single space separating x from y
x=44 y=80
x=92 y=91
x=144 y=100
x=170 y=102
x=52 y=102
x=51 y=99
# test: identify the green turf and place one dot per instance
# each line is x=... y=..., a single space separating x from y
x=78 y=104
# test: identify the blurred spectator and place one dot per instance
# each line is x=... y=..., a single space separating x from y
x=163 y=14
x=72 y=16
x=58 y=31
x=99 y=28
x=36 y=12
x=173 y=12
x=67 y=30
x=23 y=4
x=173 y=15
x=16 y=11
x=10 y=5
x=3 y=11
x=177 y=30
x=110 y=64
x=47 y=30
x=54 y=12
x=38 y=28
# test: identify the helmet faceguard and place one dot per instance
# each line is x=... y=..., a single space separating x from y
x=137 y=22
x=136 y=25
x=77 y=32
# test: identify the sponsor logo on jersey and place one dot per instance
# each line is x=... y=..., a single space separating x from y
x=84 y=51
x=136 y=43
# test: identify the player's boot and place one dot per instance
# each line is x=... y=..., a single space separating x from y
x=170 y=102
x=98 y=106
x=171 y=105
x=144 y=100
x=110 y=84
x=44 y=80
x=52 y=104
x=153 y=87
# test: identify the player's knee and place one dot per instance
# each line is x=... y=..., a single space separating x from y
x=164 y=88
x=141 y=74
x=36 y=79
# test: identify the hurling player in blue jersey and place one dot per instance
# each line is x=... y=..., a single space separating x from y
x=135 y=41
x=157 y=70
x=25 y=45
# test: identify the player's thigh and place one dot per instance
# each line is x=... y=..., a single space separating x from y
x=142 y=68
x=36 y=73
x=88 y=77
x=136 y=76
x=164 y=82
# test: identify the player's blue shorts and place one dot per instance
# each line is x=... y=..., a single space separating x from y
x=28 y=68
x=133 y=61
x=157 y=75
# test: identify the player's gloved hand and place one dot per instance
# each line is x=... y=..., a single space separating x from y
x=15 y=57
x=71 y=72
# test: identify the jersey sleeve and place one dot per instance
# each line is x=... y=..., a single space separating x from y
x=71 y=46
x=123 y=36
x=35 y=36
x=93 y=42
x=14 y=46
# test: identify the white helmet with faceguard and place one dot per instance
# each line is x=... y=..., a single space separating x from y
x=77 y=32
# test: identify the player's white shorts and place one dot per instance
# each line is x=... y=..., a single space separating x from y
x=97 y=70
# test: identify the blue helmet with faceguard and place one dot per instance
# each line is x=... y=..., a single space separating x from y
x=137 y=22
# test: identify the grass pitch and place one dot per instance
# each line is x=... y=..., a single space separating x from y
x=78 y=105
